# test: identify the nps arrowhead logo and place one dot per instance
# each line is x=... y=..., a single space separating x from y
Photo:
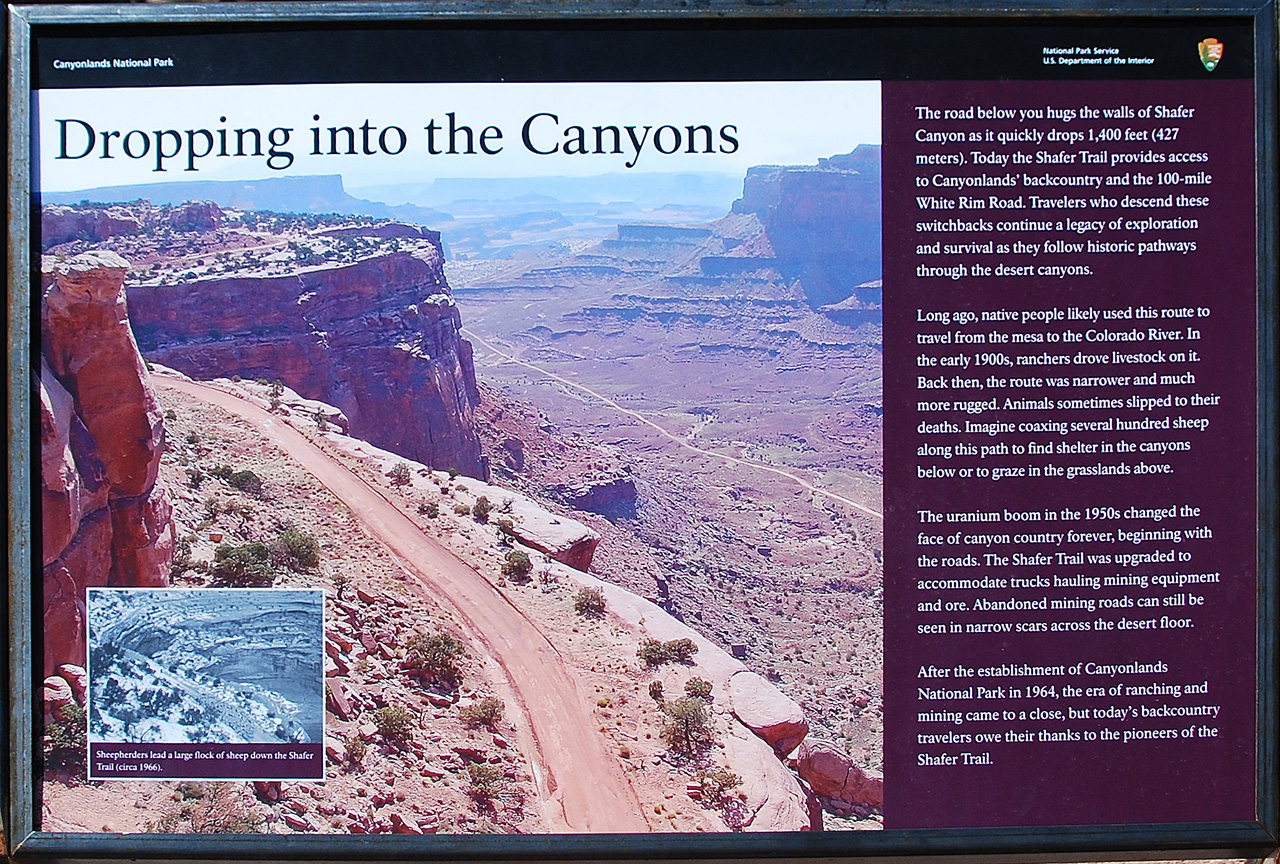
x=1210 y=53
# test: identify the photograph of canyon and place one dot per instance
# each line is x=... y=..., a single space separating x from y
x=589 y=469
x=183 y=666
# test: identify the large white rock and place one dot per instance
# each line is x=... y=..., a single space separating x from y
x=767 y=711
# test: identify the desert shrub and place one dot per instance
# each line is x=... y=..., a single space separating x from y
x=698 y=688
x=341 y=579
x=484 y=781
x=589 y=602
x=436 y=657
x=66 y=744
x=247 y=565
x=222 y=472
x=517 y=566
x=170 y=414
x=181 y=562
x=655 y=691
x=276 y=392
x=453 y=473
x=247 y=482
x=718 y=785
x=656 y=653
x=462 y=509
x=481 y=509
x=399 y=474
x=322 y=422
x=297 y=549
x=194 y=477
x=687 y=726
x=208 y=808
x=394 y=722
x=652 y=653
x=354 y=748
x=681 y=650
x=505 y=525
x=487 y=712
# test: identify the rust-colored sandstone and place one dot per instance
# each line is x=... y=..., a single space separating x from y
x=377 y=338
x=105 y=522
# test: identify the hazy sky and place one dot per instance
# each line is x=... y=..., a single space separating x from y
x=773 y=123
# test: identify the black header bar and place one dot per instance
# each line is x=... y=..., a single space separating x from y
x=534 y=50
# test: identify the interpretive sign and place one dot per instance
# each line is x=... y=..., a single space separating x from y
x=1070 y=451
x=784 y=433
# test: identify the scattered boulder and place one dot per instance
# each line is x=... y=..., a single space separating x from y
x=336 y=700
x=77 y=678
x=267 y=790
x=57 y=696
x=832 y=773
x=767 y=711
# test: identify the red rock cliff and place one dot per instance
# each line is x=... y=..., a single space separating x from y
x=378 y=338
x=105 y=521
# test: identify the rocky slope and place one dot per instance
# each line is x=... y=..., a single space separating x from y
x=105 y=519
x=356 y=314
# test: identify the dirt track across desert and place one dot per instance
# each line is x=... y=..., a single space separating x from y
x=593 y=793
x=683 y=442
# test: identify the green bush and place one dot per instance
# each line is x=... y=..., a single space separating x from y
x=181 y=562
x=517 y=566
x=481 y=509
x=354 y=748
x=297 y=549
x=484 y=781
x=717 y=786
x=589 y=602
x=399 y=474
x=245 y=566
x=655 y=691
x=687 y=726
x=698 y=688
x=66 y=745
x=395 y=723
x=436 y=657
x=656 y=653
x=247 y=482
x=487 y=712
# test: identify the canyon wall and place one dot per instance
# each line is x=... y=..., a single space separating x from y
x=822 y=222
x=378 y=338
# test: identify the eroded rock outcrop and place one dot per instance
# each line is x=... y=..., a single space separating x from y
x=378 y=338
x=832 y=773
x=105 y=521
x=767 y=711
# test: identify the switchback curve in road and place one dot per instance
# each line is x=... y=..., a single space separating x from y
x=592 y=790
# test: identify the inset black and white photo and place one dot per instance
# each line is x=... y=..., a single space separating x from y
x=204 y=667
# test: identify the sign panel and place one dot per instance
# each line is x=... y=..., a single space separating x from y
x=804 y=436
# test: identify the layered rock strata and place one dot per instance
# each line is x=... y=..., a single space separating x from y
x=378 y=338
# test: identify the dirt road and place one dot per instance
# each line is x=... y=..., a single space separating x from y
x=593 y=793
x=683 y=442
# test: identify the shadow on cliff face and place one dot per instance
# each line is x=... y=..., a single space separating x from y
x=822 y=221
x=350 y=312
